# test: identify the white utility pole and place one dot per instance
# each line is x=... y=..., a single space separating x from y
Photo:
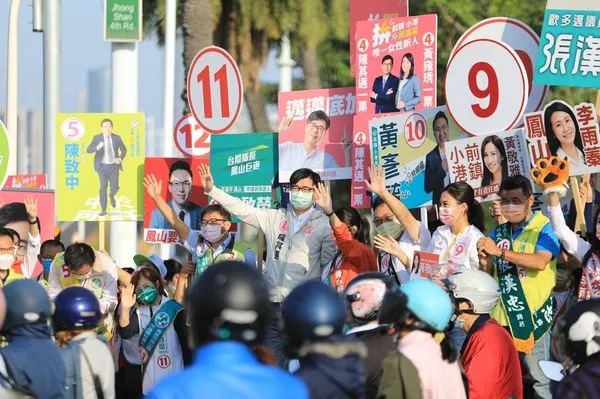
x=12 y=83
x=123 y=235
x=286 y=64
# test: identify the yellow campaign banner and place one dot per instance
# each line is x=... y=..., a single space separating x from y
x=99 y=167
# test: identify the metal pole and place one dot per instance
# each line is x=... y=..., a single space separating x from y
x=52 y=84
x=286 y=63
x=123 y=235
x=12 y=84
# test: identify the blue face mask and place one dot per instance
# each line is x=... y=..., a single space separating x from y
x=47 y=263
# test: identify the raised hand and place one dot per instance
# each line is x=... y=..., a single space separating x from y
x=322 y=198
x=285 y=124
x=31 y=205
x=206 y=178
x=153 y=186
x=387 y=244
x=376 y=184
x=128 y=297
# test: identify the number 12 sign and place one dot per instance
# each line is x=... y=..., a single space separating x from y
x=215 y=88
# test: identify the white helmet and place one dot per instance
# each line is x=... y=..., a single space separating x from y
x=476 y=286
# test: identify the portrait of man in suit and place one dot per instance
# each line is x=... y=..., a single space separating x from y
x=385 y=87
x=436 y=164
x=180 y=187
x=108 y=162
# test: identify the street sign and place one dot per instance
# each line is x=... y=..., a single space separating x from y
x=215 y=90
x=123 y=20
x=521 y=38
x=190 y=138
x=4 y=154
x=486 y=87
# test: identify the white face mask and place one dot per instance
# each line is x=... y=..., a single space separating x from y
x=512 y=210
x=6 y=261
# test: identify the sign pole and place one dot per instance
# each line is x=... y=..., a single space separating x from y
x=579 y=205
x=102 y=235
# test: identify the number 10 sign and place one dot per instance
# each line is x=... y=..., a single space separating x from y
x=215 y=88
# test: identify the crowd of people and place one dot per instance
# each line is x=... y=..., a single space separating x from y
x=336 y=311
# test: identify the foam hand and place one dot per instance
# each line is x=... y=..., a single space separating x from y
x=551 y=174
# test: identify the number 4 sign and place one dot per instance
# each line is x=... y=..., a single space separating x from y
x=486 y=87
x=190 y=138
x=215 y=88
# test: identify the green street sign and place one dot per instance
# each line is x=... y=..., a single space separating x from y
x=4 y=154
x=123 y=20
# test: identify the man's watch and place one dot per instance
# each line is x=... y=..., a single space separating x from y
x=37 y=220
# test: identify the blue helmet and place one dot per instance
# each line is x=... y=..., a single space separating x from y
x=76 y=307
x=422 y=298
x=27 y=302
x=313 y=311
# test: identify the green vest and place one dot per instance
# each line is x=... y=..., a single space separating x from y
x=235 y=250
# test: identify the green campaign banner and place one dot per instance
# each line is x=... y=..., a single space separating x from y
x=244 y=165
x=123 y=20
x=4 y=153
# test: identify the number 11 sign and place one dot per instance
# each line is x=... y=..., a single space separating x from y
x=215 y=88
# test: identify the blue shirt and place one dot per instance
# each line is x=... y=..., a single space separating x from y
x=228 y=369
x=547 y=240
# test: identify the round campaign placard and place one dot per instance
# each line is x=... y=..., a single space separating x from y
x=4 y=154
x=521 y=38
x=215 y=88
x=486 y=87
x=190 y=138
x=415 y=130
x=72 y=129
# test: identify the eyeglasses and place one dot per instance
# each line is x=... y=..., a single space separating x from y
x=318 y=128
x=177 y=184
x=385 y=219
x=10 y=250
x=213 y=221
x=388 y=64
x=305 y=190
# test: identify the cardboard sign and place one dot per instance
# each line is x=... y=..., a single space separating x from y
x=31 y=182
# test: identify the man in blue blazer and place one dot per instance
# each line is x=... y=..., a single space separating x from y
x=385 y=88
x=180 y=187
x=108 y=161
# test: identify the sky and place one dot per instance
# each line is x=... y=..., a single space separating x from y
x=83 y=49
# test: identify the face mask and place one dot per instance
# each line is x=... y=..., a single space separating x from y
x=447 y=215
x=47 y=263
x=6 y=261
x=148 y=295
x=459 y=323
x=390 y=229
x=211 y=232
x=301 y=201
x=82 y=277
x=509 y=211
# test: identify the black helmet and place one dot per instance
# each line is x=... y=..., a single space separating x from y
x=230 y=302
x=75 y=307
x=364 y=295
x=576 y=336
x=313 y=311
x=27 y=303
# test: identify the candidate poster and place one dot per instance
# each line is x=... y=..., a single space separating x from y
x=244 y=165
x=567 y=132
x=570 y=44
x=181 y=188
x=361 y=10
x=397 y=61
x=484 y=161
x=99 y=167
x=31 y=182
x=324 y=142
x=411 y=149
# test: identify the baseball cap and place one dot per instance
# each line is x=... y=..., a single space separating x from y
x=153 y=260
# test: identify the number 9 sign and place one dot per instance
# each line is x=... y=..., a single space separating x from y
x=214 y=86
x=486 y=87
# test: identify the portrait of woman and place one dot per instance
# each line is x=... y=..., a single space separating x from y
x=409 y=87
x=495 y=165
x=562 y=133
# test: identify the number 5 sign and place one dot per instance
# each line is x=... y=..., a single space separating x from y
x=214 y=86
x=486 y=87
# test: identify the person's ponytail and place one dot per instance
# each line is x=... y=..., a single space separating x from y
x=476 y=216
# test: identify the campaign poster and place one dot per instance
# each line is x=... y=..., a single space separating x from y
x=245 y=165
x=567 y=132
x=45 y=203
x=31 y=182
x=361 y=10
x=484 y=161
x=182 y=190
x=99 y=167
x=411 y=149
x=569 y=44
x=318 y=145
x=425 y=265
x=397 y=61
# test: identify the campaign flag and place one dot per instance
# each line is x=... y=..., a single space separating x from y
x=182 y=191
x=484 y=161
x=569 y=52
x=397 y=60
x=99 y=160
x=324 y=149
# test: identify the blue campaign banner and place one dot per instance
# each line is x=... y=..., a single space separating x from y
x=569 y=52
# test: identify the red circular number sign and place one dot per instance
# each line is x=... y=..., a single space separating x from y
x=190 y=138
